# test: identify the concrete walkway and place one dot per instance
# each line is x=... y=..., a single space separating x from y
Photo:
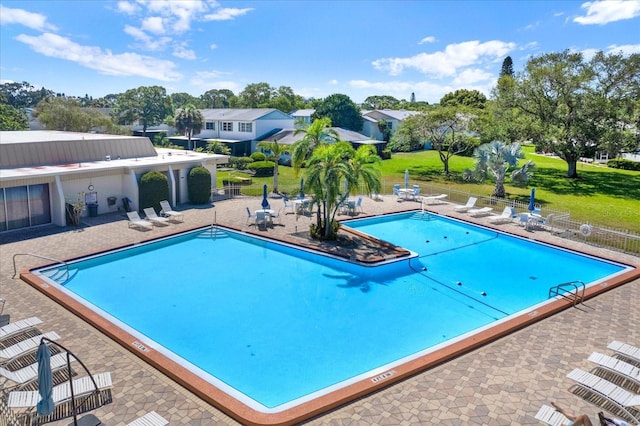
x=502 y=383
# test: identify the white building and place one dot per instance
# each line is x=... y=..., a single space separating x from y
x=40 y=171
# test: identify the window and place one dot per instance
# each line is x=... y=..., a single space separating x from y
x=210 y=125
x=227 y=126
x=246 y=127
x=389 y=125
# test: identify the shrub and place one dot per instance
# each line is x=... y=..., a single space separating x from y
x=240 y=163
x=154 y=187
x=258 y=156
x=199 y=183
x=262 y=168
x=621 y=163
x=235 y=180
x=385 y=154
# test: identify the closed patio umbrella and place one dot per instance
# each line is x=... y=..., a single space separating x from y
x=45 y=380
x=265 y=202
x=532 y=200
x=301 y=187
x=406 y=178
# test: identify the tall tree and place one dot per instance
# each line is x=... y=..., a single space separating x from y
x=256 y=95
x=179 y=100
x=407 y=138
x=494 y=160
x=62 y=113
x=217 y=98
x=507 y=67
x=380 y=102
x=579 y=105
x=274 y=153
x=189 y=122
x=23 y=95
x=413 y=98
x=12 y=118
x=317 y=133
x=149 y=105
x=342 y=111
x=447 y=128
x=465 y=98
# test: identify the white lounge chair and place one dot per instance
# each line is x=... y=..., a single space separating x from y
x=30 y=372
x=168 y=213
x=150 y=419
x=471 y=202
x=596 y=389
x=615 y=369
x=136 y=222
x=62 y=392
x=25 y=346
x=625 y=351
x=551 y=416
x=19 y=326
x=480 y=212
x=504 y=217
x=154 y=218
x=429 y=199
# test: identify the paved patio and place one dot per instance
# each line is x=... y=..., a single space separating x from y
x=502 y=383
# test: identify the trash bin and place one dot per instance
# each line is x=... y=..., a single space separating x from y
x=93 y=210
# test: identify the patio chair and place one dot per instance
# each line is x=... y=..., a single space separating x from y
x=261 y=219
x=154 y=218
x=23 y=347
x=30 y=373
x=504 y=217
x=605 y=394
x=288 y=205
x=358 y=206
x=616 y=370
x=480 y=212
x=150 y=419
x=277 y=215
x=18 y=327
x=136 y=222
x=396 y=190
x=87 y=397
x=625 y=351
x=170 y=214
x=471 y=202
x=551 y=416
x=250 y=216
x=416 y=192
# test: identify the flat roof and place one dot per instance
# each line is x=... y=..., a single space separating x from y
x=44 y=136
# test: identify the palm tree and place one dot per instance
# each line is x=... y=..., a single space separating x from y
x=275 y=152
x=365 y=168
x=497 y=158
x=189 y=122
x=319 y=132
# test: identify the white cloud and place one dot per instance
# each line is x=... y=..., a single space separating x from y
x=105 y=62
x=605 y=11
x=147 y=42
x=625 y=49
x=153 y=24
x=213 y=46
x=424 y=90
x=208 y=80
x=226 y=14
x=333 y=82
x=127 y=7
x=472 y=76
x=35 y=21
x=184 y=53
x=449 y=61
x=429 y=39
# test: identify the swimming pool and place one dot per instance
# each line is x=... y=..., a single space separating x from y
x=342 y=322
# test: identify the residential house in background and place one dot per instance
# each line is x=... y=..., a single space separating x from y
x=43 y=170
x=392 y=118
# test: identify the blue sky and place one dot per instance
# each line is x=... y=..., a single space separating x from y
x=358 y=48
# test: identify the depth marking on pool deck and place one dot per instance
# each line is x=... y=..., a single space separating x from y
x=383 y=376
x=140 y=346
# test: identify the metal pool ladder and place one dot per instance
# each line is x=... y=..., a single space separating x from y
x=572 y=291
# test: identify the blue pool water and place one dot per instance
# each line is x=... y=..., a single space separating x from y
x=273 y=325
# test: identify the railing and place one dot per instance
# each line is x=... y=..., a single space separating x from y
x=572 y=291
x=15 y=270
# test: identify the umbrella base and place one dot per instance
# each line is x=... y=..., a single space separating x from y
x=88 y=420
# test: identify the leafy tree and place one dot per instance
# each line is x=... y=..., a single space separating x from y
x=149 y=105
x=447 y=129
x=256 y=95
x=217 y=98
x=181 y=99
x=507 y=67
x=217 y=147
x=285 y=100
x=342 y=111
x=380 y=102
x=579 y=106
x=317 y=133
x=23 y=95
x=406 y=138
x=465 y=98
x=189 y=122
x=62 y=113
x=275 y=151
x=495 y=159
x=384 y=129
x=12 y=118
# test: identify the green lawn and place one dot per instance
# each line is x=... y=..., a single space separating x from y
x=600 y=195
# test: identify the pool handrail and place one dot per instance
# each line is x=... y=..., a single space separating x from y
x=577 y=297
x=15 y=271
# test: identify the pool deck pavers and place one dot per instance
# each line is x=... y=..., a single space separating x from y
x=502 y=383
